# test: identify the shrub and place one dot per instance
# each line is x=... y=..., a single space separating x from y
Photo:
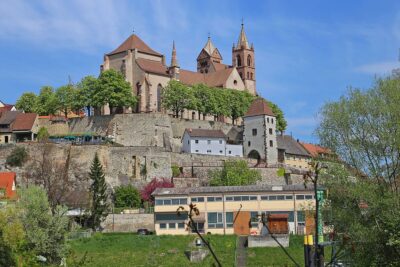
x=17 y=157
x=153 y=185
x=234 y=172
x=127 y=196
x=43 y=134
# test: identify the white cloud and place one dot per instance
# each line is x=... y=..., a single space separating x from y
x=378 y=68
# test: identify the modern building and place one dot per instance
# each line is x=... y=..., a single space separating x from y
x=230 y=209
x=209 y=142
x=259 y=134
x=291 y=153
x=148 y=73
x=8 y=188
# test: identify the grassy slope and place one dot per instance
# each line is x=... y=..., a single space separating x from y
x=119 y=250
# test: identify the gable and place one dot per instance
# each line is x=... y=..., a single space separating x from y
x=216 y=54
x=203 y=54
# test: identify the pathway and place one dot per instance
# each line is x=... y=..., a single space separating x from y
x=241 y=253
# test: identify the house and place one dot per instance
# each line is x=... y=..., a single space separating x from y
x=259 y=134
x=209 y=142
x=6 y=107
x=7 y=185
x=25 y=127
x=231 y=209
x=291 y=153
x=317 y=151
x=6 y=120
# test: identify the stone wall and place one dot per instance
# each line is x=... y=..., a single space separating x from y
x=128 y=222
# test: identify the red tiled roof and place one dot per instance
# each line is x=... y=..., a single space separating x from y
x=133 y=42
x=220 y=66
x=7 y=181
x=24 y=122
x=152 y=66
x=205 y=133
x=259 y=107
x=316 y=150
x=216 y=79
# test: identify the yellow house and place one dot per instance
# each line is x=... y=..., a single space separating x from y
x=291 y=153
x=230 y=209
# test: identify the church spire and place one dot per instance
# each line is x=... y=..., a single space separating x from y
x=242 y=41
x=174 y=60
x=209 y=47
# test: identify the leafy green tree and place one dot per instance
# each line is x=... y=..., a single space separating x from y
x=281 y=123
x=86 y=89
x=127 y=196
x=363 y=129
x=45 y=232
x=234 y=172
x=177 y=97
x=46 y=102
x=114 y=90
x=43 y=135
x=27 y=102
x=17 y=157
x=65 y=98
x=98 y=189
x=239 y=103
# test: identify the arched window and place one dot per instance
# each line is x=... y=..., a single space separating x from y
x=238 y=61
x=159 y=96
x=248 y=60
x=137 y=92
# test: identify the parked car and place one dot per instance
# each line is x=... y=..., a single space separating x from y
x=143 y=231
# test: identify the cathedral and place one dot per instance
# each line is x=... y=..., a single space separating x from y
x=146 y=70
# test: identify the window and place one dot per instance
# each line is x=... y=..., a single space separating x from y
x=254 y=218
x=289 y=197
x=272 y=121
x=229 y=219
x=196 y=141
x=229 y=198
x=254 y=132
x=300 y=197
x=230 y=152
x=240 y=198
x=301 y=216
x=214 y=199
x=208 y=142
x=249 y=143
x=280 y=197
x=271 y=143
x=248 y=60
x=253 y=197
x=163 y=226
x=272 y=198
x=171 y=226
x=199 y=226
x=270 y=131
x=197 y=151
x=238 y=61
x=170 y=216
x=234 y=82
x=188 y=142
x=209 y=151
x=220 y=141
x=221 y=152
x=308 y=197
x=197 y=199
x=264 y=197
x=268 y=120
x=215 y=220
x=174 y=201
x=181 y=225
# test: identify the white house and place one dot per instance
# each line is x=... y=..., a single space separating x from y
x=209 y=142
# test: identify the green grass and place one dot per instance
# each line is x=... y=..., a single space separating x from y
x=119 y=250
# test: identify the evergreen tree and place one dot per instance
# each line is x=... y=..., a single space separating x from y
x=99 y=207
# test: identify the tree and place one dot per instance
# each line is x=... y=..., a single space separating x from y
x=220 y=102
x=99 y=205
x=43 y=135
x=114 y=90
x=363 y=129
x=65 y=98
x=27 y=102
x=177 y=97
x=281 y=123
x=146 y=192
x=17 y=157
x=45 y=232
x=46 y=102
x=86 y=89
x=239 y=103
x=234 y=172
x=127 y=196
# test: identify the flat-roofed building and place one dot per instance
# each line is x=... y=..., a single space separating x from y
x=231 y=209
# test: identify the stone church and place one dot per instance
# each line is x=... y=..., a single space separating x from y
x=148 y=73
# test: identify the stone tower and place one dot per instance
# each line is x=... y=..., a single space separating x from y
x=259 y=133
x=173 y=69
x=207 y=56
x=244 y=61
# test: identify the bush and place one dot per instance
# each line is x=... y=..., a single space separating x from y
x=43 y=134
x=234 y=172
x=153 y=185
x=127 y=196
x=175 y=171
x=17 y=157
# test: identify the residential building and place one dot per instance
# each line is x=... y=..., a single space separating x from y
x=291 y=153
x=8 y=188
x=6 y=120
x=317 y=151
x=230 y=209
x=259 y=134
x=25 y=127
x=209 y=142
x=148 y=73
x=6 y=107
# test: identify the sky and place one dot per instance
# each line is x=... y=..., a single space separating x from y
x=307 y=53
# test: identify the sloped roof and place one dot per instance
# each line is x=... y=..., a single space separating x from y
x=291 y=146
x=259 y=107
x=242 y=41
x=7 y=180
x=133 y=42
x=217 y=78
x=316 y=150
x=152 y=66
x=220 y=66
x=205 y=133
x=24 y=122
x=209 y=47
x=8 y=117
x=7 y=107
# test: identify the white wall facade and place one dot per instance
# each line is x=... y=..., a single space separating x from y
x=234 y=150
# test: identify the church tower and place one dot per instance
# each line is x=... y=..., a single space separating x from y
x=208 y=55
x=243 y=60
x=173 y=69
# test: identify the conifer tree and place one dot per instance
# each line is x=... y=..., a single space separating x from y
x=99 y=207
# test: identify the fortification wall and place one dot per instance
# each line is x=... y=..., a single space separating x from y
x=128 y=222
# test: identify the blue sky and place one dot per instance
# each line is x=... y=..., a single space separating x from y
x=307 y=52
